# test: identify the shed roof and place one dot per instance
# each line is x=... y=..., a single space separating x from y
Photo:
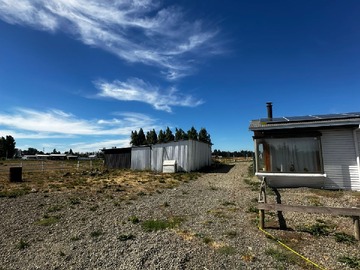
x=307 y=121
x=117 y=150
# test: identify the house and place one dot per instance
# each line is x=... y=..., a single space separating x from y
x=189 y=155
x=58 y=156
x=318 y=151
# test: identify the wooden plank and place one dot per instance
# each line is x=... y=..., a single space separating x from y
x=310 y=209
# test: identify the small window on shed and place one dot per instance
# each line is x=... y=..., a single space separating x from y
x=289 y=155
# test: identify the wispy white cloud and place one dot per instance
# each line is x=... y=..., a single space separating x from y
x=138 y=31
x=96 y=146
x=32 y=124
x=137 y=90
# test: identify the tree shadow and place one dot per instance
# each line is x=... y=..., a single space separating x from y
x=218 y=168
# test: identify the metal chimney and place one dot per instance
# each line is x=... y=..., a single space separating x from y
x=269 y=111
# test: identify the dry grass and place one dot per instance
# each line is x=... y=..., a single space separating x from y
x=127 y=182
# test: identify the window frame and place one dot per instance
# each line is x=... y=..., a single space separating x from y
x=266 y=162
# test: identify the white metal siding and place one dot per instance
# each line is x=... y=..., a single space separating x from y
x=190 y=155
x=140 y=158
x=338 y=151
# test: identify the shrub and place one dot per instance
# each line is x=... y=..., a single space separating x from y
x=47 y=220
x=318 y=229
x=74 y=201
x=227 y=250
x=156 y=224
x=344 y=238
x=96 y=233
x=126 y=237
x=350 y=261
x=22 y=244
x=134 y=219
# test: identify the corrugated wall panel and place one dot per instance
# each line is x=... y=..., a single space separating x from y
x=190 y=155
x=356 y=186
x=339 y=158
x=118 y=161
x=141 y=158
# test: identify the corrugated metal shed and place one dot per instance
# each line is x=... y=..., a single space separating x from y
x=141 y=158
x=118 y=158
x=190 y=155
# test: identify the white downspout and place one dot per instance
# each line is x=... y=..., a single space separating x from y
x=357 y=151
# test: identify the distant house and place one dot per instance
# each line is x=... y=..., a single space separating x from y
x=71 y=157
x=189 y=155
x=58 y=156
x=29 y=157
x=42 y=156
x=320 y=151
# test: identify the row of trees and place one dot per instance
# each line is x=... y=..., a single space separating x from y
x=242 y=153
x=151 y=137
x=7 y=147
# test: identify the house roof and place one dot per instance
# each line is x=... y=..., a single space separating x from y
x=307 y=121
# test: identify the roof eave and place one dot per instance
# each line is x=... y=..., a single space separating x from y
x=304 y=125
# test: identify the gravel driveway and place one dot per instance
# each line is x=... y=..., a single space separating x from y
x=209 y=226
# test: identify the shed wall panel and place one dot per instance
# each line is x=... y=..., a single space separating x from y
x=118 y=161
x=190 y=155
x=338 y=151
x=141 y=158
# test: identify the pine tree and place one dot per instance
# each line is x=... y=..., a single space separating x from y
x=169 y=136
x=151 y=137
x=192 y=134
x=2 y=147
x=204 y=136
x=161 y=137
x=134 y=138
x=141 y=137
x=180 y=135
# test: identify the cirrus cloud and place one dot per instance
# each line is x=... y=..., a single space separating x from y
x=137 y=90
x=28 y=123
x=137 y=31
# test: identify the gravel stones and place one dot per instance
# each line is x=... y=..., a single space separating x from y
x=216 y=230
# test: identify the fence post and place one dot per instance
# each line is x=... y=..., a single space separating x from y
x=356 y=228
x=78 y=165
x=90 y=164
x=262 y=219
x=42 y=166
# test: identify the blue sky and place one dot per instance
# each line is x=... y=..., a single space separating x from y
x=82 y=74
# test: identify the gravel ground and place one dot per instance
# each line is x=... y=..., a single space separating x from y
x=213 y=226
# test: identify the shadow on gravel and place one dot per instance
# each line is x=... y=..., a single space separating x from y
x=218 y=168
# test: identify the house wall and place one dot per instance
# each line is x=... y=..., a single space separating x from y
x=339 y=159
x=141 y=158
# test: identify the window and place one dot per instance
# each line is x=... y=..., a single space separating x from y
x=289 y=155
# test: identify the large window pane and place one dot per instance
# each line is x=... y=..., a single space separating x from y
x=295 y=155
